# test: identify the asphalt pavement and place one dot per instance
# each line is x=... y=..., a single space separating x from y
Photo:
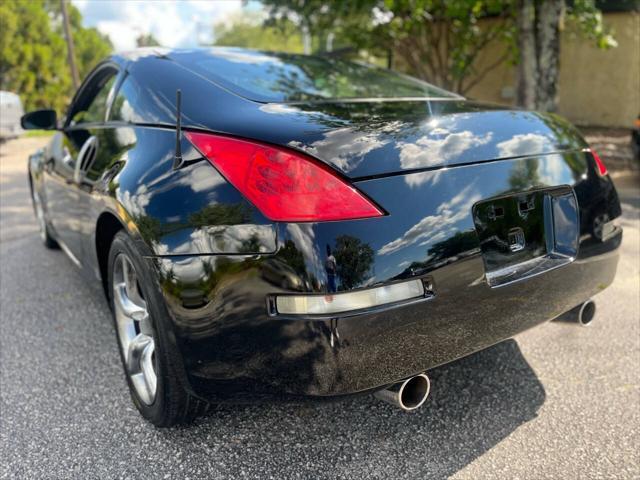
x=559 y=401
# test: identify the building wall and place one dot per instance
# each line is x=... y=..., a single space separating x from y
x=596 y=87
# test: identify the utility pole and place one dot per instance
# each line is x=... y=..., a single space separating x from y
x=71 y=55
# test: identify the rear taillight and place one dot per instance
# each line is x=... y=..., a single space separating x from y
x=602 y=169
x=285 y=186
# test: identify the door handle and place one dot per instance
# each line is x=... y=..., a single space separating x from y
x=85 y=157
x=68 y=160
x=48 y=163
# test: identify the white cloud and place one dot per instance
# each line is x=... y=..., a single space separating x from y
x=174 y=24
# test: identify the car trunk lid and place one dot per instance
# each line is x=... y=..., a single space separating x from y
x=369 y=139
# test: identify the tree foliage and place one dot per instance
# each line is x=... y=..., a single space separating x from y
x=588 y=19
x=347 y=23
x=147 y=40
x=436 y=40
x=91 y=46
x=34 y=56
x=441 y=39
x=354 y=259
x=249 y=32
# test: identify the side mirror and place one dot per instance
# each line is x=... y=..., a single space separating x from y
x=39 y=120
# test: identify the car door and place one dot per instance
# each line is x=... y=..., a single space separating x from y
x=77 y=147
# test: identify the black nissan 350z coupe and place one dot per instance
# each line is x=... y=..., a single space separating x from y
x=287 y=227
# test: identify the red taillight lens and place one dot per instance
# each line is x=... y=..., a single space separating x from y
x=602 y=169
x=285 y=186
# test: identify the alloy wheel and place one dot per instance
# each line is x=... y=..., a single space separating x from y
x=135 y=331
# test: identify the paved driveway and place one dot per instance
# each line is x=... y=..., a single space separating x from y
x=558 y=402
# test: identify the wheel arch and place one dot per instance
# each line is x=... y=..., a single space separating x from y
x=107 y=226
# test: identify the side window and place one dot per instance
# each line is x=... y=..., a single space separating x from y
x=125 y=107
x=92 y=106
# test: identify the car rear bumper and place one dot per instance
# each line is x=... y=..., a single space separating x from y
x=235 y=349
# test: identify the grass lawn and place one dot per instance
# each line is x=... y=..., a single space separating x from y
x=39 y=133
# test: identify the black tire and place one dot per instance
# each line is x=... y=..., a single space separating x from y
x=172 y=403
x=43 y=225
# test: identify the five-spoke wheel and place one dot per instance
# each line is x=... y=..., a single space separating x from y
x=135 y=329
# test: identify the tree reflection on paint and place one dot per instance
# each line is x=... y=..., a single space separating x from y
x=354 y=259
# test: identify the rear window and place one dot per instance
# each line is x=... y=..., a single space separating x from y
x=278 y=77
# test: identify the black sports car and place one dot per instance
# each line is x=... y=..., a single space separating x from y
x=285 y=227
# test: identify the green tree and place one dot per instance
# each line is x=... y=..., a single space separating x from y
x=436 y=40
x=220 y=214
x=293 y=257
x=460 y=242
x=441 y=40
x=524 y=175
x=33 y=62
x=147 y=40
x=33 y=59
x=353 y=259
x=91 y=46
x=249 y=32
x=326 y=26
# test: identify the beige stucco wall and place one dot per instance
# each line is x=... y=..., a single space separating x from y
x=597 y=87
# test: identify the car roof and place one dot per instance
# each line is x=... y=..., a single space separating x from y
x=180 y=53
x=290 y=77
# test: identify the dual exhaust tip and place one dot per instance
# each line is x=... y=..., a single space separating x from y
x=407 y=395
x=586 y=313
x=583 y=314
x=413 y=392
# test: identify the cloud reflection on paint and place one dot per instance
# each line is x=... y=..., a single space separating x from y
x=525 y=144
x=346 y=147
x=434 y=228
x=436 y=148
x=303 y=237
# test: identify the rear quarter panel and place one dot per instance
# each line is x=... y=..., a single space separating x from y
x=170 y=211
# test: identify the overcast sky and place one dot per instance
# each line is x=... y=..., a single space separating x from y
x=184 y=23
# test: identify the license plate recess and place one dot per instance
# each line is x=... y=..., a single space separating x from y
x=526 y=234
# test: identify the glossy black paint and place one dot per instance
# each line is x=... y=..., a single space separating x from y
x=216 y=258
x=436 y=236
x=393 y=136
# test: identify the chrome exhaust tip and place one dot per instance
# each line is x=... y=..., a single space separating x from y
x=586 y=313
x=582 y=314
x=408 y=395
